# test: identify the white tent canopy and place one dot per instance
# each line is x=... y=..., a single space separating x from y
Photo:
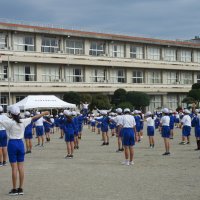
x=42 y=101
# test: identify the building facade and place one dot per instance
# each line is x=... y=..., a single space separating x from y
x=42 y=60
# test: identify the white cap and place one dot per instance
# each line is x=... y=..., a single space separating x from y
x=197 y=110
x=165 y=110
x=127 y=110
x=15 y=110
x=67 y=112
x=51 y=115
x=37 y=113
x=148 y=113
x=119 y=110
x=74 y=113
x=186 y=111
x=139 y=112
x=135 y=111
x=170 y=111
x=103 y=112
x=27 y=113
x=61 y=113
x=1 y=109
x=56 y=115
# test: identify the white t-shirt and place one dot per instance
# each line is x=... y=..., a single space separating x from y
x=128 y=121
x=15 y=130
x=186 y=120
x=165 y=120
x=3 y=117
x=150 y=121
x=118 y=119
x=39 y=122
x=85 y=106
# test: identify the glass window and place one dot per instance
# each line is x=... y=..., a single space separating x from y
x=24 y=43
x=50 y=74
x=186 y=78
x=169 y=55
x=50 y=45
x=74 y=47
x=153 y=53
x=137 y=76
x=181 y=97
x=154 y=77
x=98 y=75
x=74 y=74
x=198 y=77
x=19 y=98
x=155 y=103
x=136 y=52
x=118 y=76
x=117 y=51
x=4 y=102
x=197 y=56
x=3 y=72
x=97 y=49
x=172 y=102
x=186 y=56
x=172 y=78
x=3 y=40
x=24 y=73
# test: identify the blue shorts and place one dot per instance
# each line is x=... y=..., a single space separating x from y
x=172 y=127
x=28 y=135
x=16 y=150
x=138 y=128
x=104 y=129
x=93 y=124
x=128 y=137
x=3 y=138
x=186 y=131
x=69 y=137
x=47 y=129
x=39 y=130
x=165 y=131
x=75 y=133
x=197 y=131
x=150 y=131
x=80 y=128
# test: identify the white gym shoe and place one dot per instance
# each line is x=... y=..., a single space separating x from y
x=126 y=162
x=131 y=163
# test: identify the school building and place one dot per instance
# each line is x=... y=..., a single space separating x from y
x=47 y=60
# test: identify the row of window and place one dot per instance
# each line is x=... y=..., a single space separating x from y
x=101 y=48
x=21 y=73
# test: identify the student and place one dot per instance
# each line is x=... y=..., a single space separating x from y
x=138 y=128
x=171 y=124
x=104 y=127
x=186 y=127
x=150 y=128
x=165 y=130
x=15 y=130
x=75 y=120
x=3 y=140
x=47 y=127
x=28 y=134
x=69 y=129
x=129 y=130
x=196 y=124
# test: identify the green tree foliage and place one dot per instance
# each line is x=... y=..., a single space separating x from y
x=125 y=104
x=188 y=100
x=138 y=99
x=196 y=86
x=100 y=101
x=86 y=98
x=195 y=94
x=72 y=97
x=119 y=96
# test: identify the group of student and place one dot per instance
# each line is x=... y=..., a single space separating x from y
x=128 y=127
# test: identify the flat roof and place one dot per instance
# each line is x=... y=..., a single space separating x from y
x=95 y=35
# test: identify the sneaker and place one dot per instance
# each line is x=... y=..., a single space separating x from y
x=197 y=149
x=42 y=145
x=103 y=144
x=71 y=156
x=182 y=143
x=37 y=145
x=126 y=162
x=1 y=164
x=188 y=142
x=131 y=163
x=107 y=143
x=122 y=149
x=20 y=191
x=67 y=156
x=118 y=150
x=13 y=192
x=4 y=163
x=166 y=153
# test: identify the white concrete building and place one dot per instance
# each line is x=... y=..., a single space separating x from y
x=42 y=60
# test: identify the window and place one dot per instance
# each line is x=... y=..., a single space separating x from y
x=186 y=56
x=50 y=74
x=137 y=76
x=154 y=77
x=3 y=72
x=169 y=55
x=97 y=49
x=19 y=98
x=172 y=78
x=186 y=78
x=153 y=53
x=24 y=43
x=197 y=56
x=117 y=51
x=118 y=76
x=98 y=75
x=155 y=103
x=74 y=74
x=136 y=52
x=50 y=45
x=172 y=102
x=74 y=47
x=181 y=97
x=4 y=102
x=3 y=41
x=24 y=73
x=198 y=77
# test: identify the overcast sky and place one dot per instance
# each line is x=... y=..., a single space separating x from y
x=166 y=19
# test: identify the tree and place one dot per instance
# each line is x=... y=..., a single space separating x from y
x=196 y=86
x=125 y=104
x=138 y=99
x=100 y=101
x=195 y=94
x=86 y=98
x=119 y=96
x=72 y=97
